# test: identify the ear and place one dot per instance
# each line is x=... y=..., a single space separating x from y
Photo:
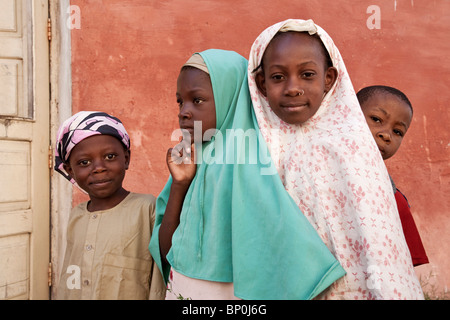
x=330 y=78
x=68 y=169
x=261 y=82
x=127 y=159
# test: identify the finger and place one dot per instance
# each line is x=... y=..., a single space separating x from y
x=186 y=146
x=187 y=152
x=178 y=148
x=174 y=155
x=188 y=149
x=193 y=152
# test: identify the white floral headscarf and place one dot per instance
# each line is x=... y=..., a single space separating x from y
x=332 y=168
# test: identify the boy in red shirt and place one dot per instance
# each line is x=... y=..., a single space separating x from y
x=389 y=113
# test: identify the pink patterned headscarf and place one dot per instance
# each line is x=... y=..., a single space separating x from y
x=80 y=126
x=331 y=167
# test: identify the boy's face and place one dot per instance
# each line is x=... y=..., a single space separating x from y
x=388 y=118
x=196 y=100
x=293 y=63
x=98 y=165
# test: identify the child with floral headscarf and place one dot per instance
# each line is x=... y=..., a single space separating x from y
x=327 y=159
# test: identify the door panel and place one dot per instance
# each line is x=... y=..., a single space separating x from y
x=24 y=141
x=15 y=166
x=14 y=275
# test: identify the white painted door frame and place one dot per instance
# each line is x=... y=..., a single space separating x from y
x=60 y=109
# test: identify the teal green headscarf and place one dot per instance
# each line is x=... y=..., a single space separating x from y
x=238 y=223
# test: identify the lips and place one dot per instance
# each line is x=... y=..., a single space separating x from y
x=187 y=126
x=293 y=105
x=100 y=183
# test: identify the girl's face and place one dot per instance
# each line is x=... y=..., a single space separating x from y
x=196 y=100
x=294 y=77
x=98 y=165
x=388 y=118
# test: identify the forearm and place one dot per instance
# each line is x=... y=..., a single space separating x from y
x=171 y=218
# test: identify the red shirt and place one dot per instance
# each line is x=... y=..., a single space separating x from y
x=412 y=236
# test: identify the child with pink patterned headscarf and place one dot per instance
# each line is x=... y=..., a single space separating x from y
x=326 y=157
x=107 y=237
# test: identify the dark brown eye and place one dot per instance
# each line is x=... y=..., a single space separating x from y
x=375 y=119
x=110 y=156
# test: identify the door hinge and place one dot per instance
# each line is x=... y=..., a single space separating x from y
x=50 y=157
x=49 y=274
x=49 y=29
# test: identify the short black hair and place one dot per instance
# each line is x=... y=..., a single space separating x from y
x=366 y=93
x=328 y=61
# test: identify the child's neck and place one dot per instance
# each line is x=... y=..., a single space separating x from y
x=100 y=204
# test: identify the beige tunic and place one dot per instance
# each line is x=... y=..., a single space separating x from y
x=107 y=254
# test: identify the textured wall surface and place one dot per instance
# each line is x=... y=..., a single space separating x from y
x=126 y=56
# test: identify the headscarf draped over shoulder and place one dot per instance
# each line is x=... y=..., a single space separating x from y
x=238 y=224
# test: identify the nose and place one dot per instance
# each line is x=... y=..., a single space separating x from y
x=385 y=136
x=293 y=87
x=185 y=112
x=99 y=166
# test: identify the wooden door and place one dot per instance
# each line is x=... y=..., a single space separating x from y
x=24 y=150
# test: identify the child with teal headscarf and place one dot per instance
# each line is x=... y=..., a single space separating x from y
x=225 y=225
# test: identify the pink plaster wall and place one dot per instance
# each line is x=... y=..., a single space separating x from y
x=127 y=54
